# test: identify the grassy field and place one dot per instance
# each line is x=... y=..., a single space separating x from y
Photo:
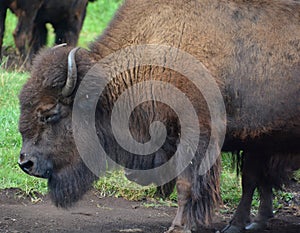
x=98 y=15
x=10 y=140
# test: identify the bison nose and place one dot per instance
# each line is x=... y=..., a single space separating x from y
x=25 y=164
x=35 y=165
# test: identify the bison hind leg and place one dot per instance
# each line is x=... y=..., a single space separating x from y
x=183 y=187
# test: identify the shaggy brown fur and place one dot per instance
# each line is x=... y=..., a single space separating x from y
x=251 y=49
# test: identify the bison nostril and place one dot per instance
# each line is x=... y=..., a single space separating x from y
x=22 y=156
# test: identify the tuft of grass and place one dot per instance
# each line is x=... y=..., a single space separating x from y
x=230 y=188
x=115 y=184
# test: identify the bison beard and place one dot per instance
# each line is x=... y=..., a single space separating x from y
x=70 y=184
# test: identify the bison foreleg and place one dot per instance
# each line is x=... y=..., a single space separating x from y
x=241 y=216
x=183 y=187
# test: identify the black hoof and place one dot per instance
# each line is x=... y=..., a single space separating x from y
x=256 y=226
x=178 y=229
x=231 y=229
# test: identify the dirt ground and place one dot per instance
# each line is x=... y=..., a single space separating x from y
x=93 y=214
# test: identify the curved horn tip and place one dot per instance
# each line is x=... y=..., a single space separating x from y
x=72 y=74
x=59 y=46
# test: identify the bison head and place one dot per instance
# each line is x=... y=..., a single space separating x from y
x=48 y=148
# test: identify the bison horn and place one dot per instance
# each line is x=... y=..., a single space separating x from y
x=72 y=74
x=59 y=46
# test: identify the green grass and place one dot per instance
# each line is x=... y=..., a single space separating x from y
x=10 y=24
x=115 y=184
x=99 y=14
x=10 y=139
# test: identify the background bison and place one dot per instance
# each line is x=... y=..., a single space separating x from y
x=30 y=34
x=251 y=49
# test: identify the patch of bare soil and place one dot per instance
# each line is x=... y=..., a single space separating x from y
x=93 y=214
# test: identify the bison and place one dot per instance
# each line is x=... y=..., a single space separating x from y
x=248 y=49
x=30 y=34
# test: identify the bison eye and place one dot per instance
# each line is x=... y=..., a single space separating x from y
x=50 y=118
x=49 y=114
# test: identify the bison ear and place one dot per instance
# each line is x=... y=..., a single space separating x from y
x=54 y=82
x=51 y=66
x=62 y=68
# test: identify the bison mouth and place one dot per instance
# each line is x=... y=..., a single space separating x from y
x=35 y=167
x=27 y=169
